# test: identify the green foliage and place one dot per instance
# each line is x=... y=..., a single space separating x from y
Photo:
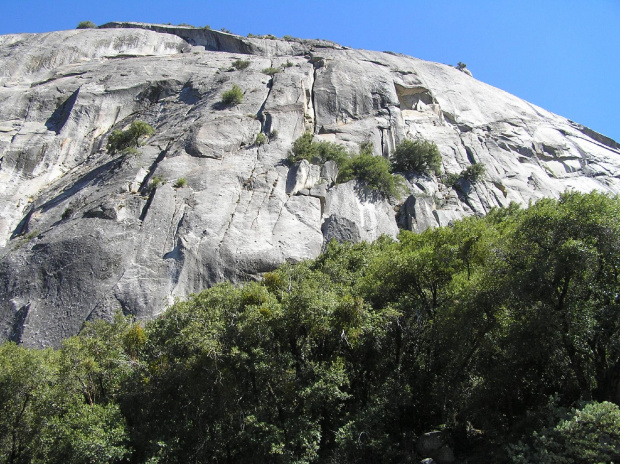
x=86 y=25
x=416 y=155
x=271 y=71
x=474 y=172
x=125 y=141
x=588 y=434
x=240 y=64
x=156 y=181
x=260 y=139
x=317 y=152
x=352 y=356
x=374 y=171
x=180 y=182
x=62 y=405
x=450 y=178
x=288 y=38
x=233 y=97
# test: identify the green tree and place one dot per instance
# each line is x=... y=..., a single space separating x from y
x=26 y=386
x=585 y=435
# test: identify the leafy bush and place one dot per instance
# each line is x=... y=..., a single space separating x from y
x=130 y=138
x=270 y=71
x=86 y=25
x=260 y=139
x=317 y=152
x=180 y=183
x=156 y=181
x=234 y=96
x=273 y=135
x=474 y=172
x=416 y=155
x=450 y=178
x=589 y=434
x=373 y=170
x=241 y=64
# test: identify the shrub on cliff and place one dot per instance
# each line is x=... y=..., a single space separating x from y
x=317 y=152
x=474 y=172
x=86 y=25
x=374 y=171
x=416 y=155
x=233 y=97
x=130 y=138
x=240 y=64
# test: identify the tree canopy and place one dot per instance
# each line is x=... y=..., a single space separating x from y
x=502 y=331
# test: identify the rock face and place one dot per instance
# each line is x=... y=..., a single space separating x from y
x=83 y=234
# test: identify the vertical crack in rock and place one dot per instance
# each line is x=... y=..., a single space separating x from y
x=312 y=98
x=275 y=224
x=112 y=287
x=261 y=116
x=147 y=179
x=230 y=221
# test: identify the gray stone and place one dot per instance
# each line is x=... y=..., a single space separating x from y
x=433 y=445
x=83 y=234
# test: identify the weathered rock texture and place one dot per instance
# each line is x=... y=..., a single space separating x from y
x=83 y=234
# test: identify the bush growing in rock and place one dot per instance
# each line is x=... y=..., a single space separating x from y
x=260 y=139
x=233 y=97
x=373 y=170
x=416 y=155
x=128 y=140
x=86 y=25
x=317 y=152
x=156 y=181
x=240 y=64
x=474 y=172
x=180 y=183
x=270 y=71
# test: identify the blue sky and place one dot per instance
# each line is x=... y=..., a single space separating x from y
x=563 y=55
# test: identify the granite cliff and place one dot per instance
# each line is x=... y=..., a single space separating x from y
x=83 y=233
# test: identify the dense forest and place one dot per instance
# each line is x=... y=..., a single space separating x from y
x=502 y=332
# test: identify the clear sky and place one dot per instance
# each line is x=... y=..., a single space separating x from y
x=563 y=55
